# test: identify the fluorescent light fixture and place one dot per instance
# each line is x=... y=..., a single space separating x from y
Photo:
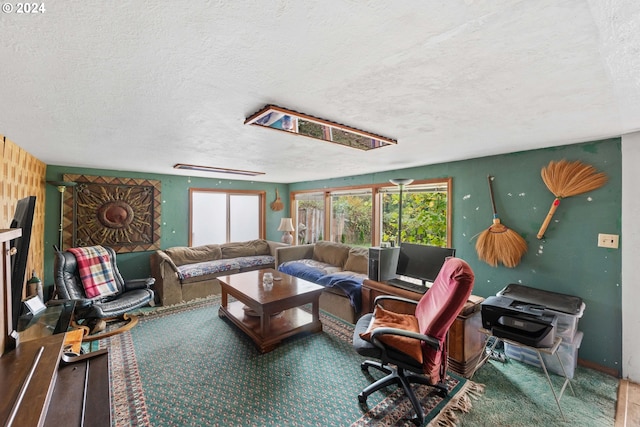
x=278 y=118
x=215 y=169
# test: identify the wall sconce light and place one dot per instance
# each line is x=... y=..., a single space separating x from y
x=286 y=225
x=278 y=118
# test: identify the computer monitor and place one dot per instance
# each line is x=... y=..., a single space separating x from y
x=422 y=262
x=22 y=218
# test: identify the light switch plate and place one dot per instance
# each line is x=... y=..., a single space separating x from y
x=608 y=240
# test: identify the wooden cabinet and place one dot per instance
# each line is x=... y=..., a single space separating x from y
x=466 y=343
x=6 y=319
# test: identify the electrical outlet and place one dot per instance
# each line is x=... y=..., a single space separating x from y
x=608 y=240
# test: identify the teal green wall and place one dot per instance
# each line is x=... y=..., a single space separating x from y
x=567 y=260
x=174 y=214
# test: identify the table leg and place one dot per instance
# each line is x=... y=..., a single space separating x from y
x=546 y=373
x=265 y=321
x=485 y=355
x=566 y=379
x=223 y=301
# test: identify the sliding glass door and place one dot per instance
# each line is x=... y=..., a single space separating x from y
x=244 y=217
x=225 y=216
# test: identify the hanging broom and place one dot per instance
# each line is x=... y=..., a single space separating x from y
x=277 y=204
x=566 y=179
x=499 y=243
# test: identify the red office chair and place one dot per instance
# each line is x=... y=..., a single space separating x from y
x=415 y=344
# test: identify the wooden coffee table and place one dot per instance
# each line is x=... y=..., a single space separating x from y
x=268 y=315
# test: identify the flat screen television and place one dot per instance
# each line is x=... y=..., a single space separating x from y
x=422 y=262
x=22 y=218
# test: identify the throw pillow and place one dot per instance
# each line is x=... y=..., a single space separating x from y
x=261 y=247
x=408 y=322
x=237 y=249
x=358 y=260
x=182 y=255
x=331 y=253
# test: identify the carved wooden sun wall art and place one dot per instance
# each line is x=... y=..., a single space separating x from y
x=122 y=213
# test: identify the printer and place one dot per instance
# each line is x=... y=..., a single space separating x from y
x=523 y=322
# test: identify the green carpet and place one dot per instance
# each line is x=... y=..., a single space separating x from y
x=187 y=367
x=517 y=394
x=184 y=366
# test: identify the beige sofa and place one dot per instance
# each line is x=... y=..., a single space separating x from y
x=185 y=273
x=334 y=265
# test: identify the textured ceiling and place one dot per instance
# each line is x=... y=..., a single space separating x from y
x=140 y=86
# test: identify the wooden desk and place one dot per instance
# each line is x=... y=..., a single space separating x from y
x=466 y=342
x=39 y=389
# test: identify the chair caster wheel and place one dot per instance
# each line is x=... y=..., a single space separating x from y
x=364 y=367
x=362 y=399
x=442 y=390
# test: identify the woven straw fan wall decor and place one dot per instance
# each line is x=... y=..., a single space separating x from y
x=566 y=179
x=277 y=204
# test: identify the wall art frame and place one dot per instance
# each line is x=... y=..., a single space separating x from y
x=122 y=213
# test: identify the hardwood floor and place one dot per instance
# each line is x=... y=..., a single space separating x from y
x=628 y=406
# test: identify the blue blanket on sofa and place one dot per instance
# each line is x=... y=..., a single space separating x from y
x=350 y=283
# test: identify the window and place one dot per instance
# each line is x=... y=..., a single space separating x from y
x=368 y=215
x=220 y=216
x=351 y=217
x=309 y=216
x=424 y=214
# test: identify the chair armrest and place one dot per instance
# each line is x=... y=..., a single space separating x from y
x=80 y=303
x=132 y=284
x=396 y=304
x=53 y=302
x=430 y=341
x=382 y=298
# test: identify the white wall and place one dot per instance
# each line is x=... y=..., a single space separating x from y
x=630 y=244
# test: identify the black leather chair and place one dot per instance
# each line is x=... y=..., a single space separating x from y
x=131 y=294
x=399 y=347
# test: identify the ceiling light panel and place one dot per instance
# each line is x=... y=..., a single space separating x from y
x=278 y=118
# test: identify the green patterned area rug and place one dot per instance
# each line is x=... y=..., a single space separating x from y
x=185 y=366
x=518 y=395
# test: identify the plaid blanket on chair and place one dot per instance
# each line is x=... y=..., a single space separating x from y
x=95 y=271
